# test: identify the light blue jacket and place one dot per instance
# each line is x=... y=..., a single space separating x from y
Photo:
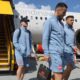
x=69 y=39
x=53 y=36
x=23 y=43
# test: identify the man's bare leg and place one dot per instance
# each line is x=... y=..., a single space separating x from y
x=20 y=72
x=67 y=72
x=58 y=76
x=23 y=73
x=52 y=78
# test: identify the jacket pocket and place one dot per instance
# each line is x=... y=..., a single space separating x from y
x=22 y=49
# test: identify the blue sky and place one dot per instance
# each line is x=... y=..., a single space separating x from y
x=74 y=5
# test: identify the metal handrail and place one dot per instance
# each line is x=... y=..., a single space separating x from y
x=12 y=58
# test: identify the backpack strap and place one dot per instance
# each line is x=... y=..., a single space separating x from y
x=19 y=34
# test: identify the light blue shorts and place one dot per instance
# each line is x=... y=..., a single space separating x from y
x=22 y=60
x=56 y=63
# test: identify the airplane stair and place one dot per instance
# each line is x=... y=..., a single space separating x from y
x=4 y=62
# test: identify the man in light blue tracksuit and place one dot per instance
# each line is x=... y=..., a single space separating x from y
x=23 y=47
x=69 y=46
x=53 y=40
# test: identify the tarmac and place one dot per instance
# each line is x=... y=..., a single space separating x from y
x=32 y=74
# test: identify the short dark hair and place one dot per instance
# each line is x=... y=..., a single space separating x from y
x=70 y=16
x=24 y=19
x=61 y=4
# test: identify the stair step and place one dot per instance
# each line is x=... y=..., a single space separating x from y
x=1 y=32
x=4 y=69
x=3 y=51
x=3 y=55
x=3 y=47
x=2 y=36
x=3 y=43
x=2 y=40
x=1 y=59
x=4 y=64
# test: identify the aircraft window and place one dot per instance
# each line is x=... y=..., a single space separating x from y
x=45 y=18
x=41 y=18
x=36 y=17
x=75 y=20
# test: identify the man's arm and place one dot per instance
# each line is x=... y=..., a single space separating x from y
x=46 y=37
x=74 y=42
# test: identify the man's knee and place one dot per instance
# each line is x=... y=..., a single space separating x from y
x=58 y=76
x=20 y=67
x=20 y=71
